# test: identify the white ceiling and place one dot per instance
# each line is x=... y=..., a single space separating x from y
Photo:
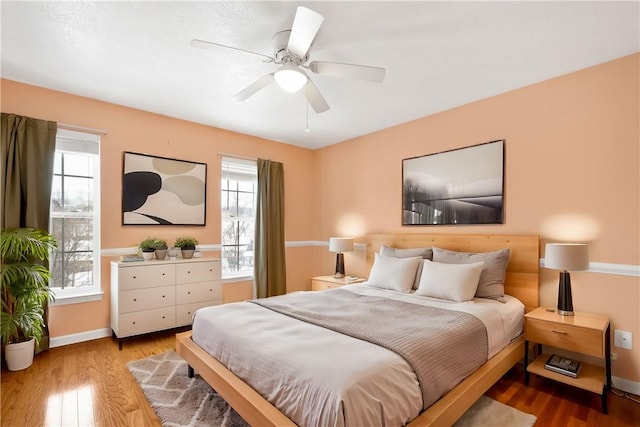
x=437 y=55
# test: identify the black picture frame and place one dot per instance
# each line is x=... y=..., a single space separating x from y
x=462 y=186
x=163 y=191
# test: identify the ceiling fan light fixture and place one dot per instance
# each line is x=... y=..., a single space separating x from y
x=290 y=78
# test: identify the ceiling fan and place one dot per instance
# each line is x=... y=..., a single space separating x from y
x=291 y=51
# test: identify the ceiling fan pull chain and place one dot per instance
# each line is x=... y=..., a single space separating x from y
x=306 y=129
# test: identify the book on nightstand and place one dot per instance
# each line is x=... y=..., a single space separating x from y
x=563 y=365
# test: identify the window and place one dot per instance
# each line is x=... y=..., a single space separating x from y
x=238 y=203
x=75 y=215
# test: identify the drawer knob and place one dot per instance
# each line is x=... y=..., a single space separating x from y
x=163 y=317
x=188 y=272
x=210 y=290
x=162 y=296
x=133 y=322
x=135 y=299
x=559 y=332
x=134 y=277
x=189 y=293
x=163 y=274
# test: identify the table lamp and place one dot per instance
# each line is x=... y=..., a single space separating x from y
x=566 y=257
x=340 y=245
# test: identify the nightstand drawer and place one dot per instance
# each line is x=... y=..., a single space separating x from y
x=318 y=285
x=568 y=337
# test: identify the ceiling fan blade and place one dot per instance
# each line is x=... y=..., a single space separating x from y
x=305 y=27
x=201 y=44
x=314 y=97
x=337 y=69
x=254 y=87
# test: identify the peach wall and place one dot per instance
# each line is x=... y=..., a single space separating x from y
x=571 y=173
x=572 y=164
x=134 y=130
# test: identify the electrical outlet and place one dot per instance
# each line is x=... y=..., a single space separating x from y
x=623 y=339
x=614 y=356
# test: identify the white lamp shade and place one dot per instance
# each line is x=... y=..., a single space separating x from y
x=340 y=244
x=290 y=78
x=566 y=256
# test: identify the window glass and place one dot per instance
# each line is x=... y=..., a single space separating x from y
x=75 y=215
x=238 y=195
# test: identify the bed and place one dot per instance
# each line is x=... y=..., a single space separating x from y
x=521 y=282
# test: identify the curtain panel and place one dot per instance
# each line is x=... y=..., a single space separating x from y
x=269 y=258
x=28 y=149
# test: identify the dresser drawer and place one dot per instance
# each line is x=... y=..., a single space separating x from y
x=568 y=337
x=147 y=321
x=197 y=272
x=194 y=292
x=184 y=313
x=146 y=276
x=145 y=299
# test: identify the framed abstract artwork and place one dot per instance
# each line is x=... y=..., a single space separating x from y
x=163 y=191
x=461 y=186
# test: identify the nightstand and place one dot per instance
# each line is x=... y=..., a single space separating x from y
x=582 y=333
x=320 y=283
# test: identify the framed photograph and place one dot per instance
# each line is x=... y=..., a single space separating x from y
x=162 y=191
x=462 y=186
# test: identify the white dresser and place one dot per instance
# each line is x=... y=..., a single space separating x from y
x=150 y=296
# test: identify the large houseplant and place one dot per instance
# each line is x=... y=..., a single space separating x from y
x=24 y=281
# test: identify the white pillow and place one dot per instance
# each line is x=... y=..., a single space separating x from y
x=491 y=283
x=455 y=282
x=425 y=253
x=397 y=274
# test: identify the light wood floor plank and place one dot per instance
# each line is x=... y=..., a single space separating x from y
x=89 y=385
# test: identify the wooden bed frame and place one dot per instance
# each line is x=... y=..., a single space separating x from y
x=521 y=281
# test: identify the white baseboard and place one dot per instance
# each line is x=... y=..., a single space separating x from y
x=626 y=385
x=81 y=337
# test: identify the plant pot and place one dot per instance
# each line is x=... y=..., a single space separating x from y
x=148 y=255
x=187 y=253
x=161 y=253
x=19 y=355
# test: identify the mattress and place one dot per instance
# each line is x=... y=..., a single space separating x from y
x=316 y=376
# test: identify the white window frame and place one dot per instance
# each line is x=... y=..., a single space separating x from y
x=80 y=142
x=236 y=168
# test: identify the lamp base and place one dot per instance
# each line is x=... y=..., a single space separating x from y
x=339 y=266
x=565 y=300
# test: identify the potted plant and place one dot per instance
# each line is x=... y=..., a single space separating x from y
x=160 y=246
x=187 y=246
x=24 y=284
x=147 y=246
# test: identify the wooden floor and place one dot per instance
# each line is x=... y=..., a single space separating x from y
x=88 y=384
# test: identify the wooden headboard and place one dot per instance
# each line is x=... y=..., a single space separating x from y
x=522 y=279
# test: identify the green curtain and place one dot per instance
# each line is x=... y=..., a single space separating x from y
x=28 y=148
x=269 y=258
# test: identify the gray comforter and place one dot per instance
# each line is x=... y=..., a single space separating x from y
x=319 y=377
x=442 y=346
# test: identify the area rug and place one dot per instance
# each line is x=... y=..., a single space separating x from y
x=181 y=401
